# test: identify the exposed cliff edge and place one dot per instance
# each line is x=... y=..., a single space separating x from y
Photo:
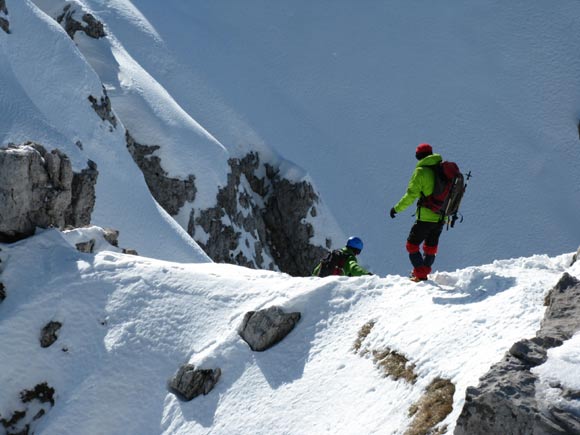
x=506 y=400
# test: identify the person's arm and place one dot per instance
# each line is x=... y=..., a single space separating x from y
x=412 y=194
x=352 y=268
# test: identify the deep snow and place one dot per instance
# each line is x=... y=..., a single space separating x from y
x=129 y=322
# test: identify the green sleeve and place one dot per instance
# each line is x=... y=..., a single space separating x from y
x=316 y=270
x=413 y=191
x=352 y=268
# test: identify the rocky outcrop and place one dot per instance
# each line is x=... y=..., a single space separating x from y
x=4 y=23
x=189 y=383
x=170 y=193
x=102 y=107
x=289 y=233
x=39 y=189
x=505 y=401
x=2 y=292
x=49 y=333
x=260 y=219
x=83 y=197
x=73 y=20
x=270 y=210
x=263 y=329
x=34 y=404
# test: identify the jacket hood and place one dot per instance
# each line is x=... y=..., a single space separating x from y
x=431 y=160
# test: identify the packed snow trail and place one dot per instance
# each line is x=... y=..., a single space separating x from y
x=129 y=322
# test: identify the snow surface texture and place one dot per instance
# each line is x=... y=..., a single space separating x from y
x=130 y=322
x=347 y=90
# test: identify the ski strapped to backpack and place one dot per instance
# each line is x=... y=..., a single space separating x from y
x=333 y=263
x=450 y=185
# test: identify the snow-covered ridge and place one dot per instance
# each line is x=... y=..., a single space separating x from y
x=129 y=322
x=277 y=222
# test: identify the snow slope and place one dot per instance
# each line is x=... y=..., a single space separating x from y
x=347 y=90
x=44 y=88
x=129 y=322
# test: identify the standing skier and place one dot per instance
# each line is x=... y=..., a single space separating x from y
x=429 y=224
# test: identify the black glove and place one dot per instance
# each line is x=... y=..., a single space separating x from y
x=393 y=213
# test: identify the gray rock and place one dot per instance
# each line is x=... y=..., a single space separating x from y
x=37 y=189
x=263 y=329
x=112 y=236
x=88 y=24
x=529 y=353
x=575 y=257
x=505 y=401
x=130 y=251
x=78 y=214
x=2 y=292
x=102 y=107
x=170 y=193
x=189 y=383
x=562 y=317
x=277 y=222
x=4 y=23
x=86 y=247
x=49 y=333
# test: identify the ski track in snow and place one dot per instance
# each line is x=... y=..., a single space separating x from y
x=129 y=322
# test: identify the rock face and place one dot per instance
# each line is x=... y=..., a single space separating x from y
x=4 y=23
x=271 y=209
x=170 y=193
x=505 y=402
x=260 y=219
x=189 y=383
x=39 y=189
x=74 y=20
x=102 y=107
x=263 y=329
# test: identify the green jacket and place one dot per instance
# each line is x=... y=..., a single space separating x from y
x=422 y=181
x=351 y=267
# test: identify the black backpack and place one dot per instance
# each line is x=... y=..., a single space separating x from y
x=447 y=192
x=333 y=263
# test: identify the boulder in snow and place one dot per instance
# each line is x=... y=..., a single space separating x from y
x=2 y=292
x=49 y=335
x=189 y=383
x=263 y=329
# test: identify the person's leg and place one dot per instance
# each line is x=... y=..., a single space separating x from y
x=416 y=236
x=431 y=245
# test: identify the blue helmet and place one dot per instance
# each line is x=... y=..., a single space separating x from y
x=355 y=242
